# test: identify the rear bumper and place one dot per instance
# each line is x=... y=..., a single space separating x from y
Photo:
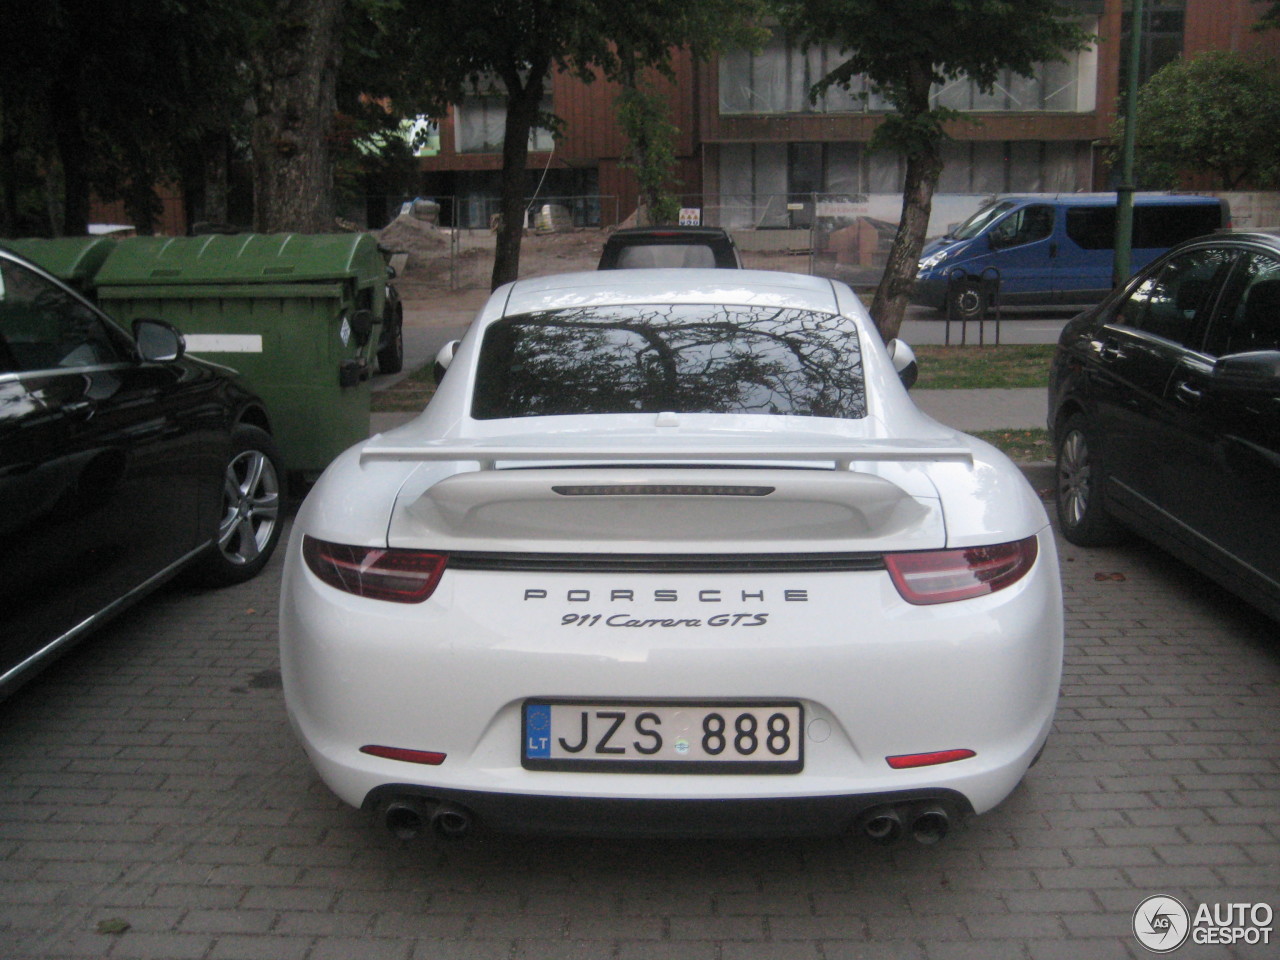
x=876 y=678
x=619 y=817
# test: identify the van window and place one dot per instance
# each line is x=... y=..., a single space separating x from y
x=1024 y=226
x=980 y=220
x=1155 y=226
x=1092 y=228
x=1168 y=226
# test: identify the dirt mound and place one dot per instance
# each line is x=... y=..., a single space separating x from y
x=422 y=241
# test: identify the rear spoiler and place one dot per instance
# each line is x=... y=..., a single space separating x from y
x=844 y=454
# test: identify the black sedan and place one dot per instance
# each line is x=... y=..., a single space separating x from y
x=122 y=463
x=1164 y=402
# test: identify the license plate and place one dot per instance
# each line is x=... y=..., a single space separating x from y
x=637 y=737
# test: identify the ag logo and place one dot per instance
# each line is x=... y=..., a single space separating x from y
x=1161 y=924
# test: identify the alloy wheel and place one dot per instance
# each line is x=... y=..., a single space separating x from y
x=251 y=507
x=1074 y=476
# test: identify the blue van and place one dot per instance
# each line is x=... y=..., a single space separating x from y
x=1054 y=249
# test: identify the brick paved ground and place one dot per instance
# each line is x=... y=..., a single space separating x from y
x=153 y=804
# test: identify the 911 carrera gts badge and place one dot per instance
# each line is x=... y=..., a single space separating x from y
x=607 y=615
x=627 y=620
x=668 y=596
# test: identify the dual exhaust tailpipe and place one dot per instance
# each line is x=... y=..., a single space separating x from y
x=925 y=823
x=408 y=818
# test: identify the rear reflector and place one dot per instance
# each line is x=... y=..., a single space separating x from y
x=378 y=573
x=400 y=753
x=908 y=760
x=941 y=576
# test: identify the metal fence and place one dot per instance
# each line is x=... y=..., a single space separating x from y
x=842 y=236
x=476 y=212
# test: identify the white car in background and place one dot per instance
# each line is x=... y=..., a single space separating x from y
x=672 y=553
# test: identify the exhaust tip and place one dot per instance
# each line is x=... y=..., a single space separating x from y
x=405 y=821
x=930 y=825
x=451 y=822
x=883 y=826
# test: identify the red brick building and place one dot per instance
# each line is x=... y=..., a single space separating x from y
x=754 y=152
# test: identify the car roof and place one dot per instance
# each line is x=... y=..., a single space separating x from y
x=621 y=287
x=627 y=233
x=1093 y=199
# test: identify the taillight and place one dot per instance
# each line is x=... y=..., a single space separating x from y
x=941 y=576
x=379 y=573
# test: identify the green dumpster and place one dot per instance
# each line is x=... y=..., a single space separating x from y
x=73 y=260
x=295 y=315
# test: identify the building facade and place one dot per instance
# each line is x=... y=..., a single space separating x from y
x=755 y=153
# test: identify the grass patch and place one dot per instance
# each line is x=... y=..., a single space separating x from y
x=967 y=368
x=409 y=395
x=1022 y=446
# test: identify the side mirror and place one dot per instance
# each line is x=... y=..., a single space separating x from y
x=444 y=358
x=904 y=361
x=158 y=342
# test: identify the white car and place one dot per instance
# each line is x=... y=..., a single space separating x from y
x=672 y=553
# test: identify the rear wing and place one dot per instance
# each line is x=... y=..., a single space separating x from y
x=488 y=453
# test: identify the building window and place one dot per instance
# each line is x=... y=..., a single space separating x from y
x=772 y=185
x=1163 y=26
x=777 y=80
x=480 y=120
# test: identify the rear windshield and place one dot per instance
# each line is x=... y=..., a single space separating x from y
x=685 y=359
x=666 y=255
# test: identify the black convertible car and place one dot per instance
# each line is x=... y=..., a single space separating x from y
x=122 y=462
x=1164 y=402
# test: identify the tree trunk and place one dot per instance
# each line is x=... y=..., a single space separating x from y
x=296 y=67
x=73 y=150
x=9 y=175
x=924 y=167
x=523 y=100
x=140 y=200
x=216 y=176
x=894 y=292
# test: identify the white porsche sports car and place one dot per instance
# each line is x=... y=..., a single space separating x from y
x=672 y=552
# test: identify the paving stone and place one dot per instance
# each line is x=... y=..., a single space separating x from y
x=145 y=778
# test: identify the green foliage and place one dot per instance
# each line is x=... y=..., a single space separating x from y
x=643 y=116
x=1269 y=19
x=1216 y=113
x=107 y=95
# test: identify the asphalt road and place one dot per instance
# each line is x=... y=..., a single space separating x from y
x=154 y=804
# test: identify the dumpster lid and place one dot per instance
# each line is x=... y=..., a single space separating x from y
x=243 y=259
x=72 y=259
